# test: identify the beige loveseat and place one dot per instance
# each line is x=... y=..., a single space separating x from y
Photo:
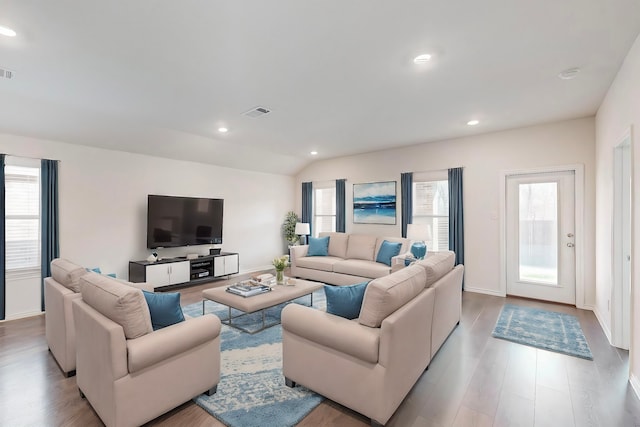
x=59 y=291
x=370 y=364
x=129 y=373
x=351 y=259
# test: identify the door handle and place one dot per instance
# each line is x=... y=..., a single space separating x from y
x=570 y=245
x=570 y=235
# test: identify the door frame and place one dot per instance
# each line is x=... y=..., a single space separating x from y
x=618 y=322
x=578 y=170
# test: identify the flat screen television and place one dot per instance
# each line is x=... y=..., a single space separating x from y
x=183 y=221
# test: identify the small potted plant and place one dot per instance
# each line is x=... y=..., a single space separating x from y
x=280 y=263
x=289 y=228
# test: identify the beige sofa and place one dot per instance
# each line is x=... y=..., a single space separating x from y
x=59 y=291
x=351 y=259
x=370 y=364
x=129 y=373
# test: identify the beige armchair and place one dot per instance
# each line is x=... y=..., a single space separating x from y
x=59 y=291
x=129 y=373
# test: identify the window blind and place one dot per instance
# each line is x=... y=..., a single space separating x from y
x=324 y=209
x=22 y=216
x=431 y=207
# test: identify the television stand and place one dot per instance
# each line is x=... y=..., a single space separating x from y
x=182 y=271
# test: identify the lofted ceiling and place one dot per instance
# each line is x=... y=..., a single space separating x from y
x=161 y=76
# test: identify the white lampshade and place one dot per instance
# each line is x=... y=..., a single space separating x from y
x=302 y=229
x=418 y=232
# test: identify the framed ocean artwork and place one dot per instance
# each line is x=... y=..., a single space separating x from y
x=374 y=203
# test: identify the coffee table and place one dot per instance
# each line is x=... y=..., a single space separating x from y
x=279 y=294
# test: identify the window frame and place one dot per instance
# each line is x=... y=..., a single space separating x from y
x=323 y=186
x=32 y=271
x=428 y=177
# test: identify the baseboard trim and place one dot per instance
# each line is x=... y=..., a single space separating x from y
x=257 y=269
x=22 y=316
x=484 y=291
x=605 y=329
x=635 y=384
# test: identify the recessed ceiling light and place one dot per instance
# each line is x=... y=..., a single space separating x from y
x=6 y=31
x=473 y=122
x=314 y=153
x=569 y=73
x=422 y=59
x=223 y=130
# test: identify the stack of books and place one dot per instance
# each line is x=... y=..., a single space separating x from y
x=248 y=288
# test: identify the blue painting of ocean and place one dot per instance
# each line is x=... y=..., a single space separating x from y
x=374 y=203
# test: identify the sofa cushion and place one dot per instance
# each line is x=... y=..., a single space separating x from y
x=337 y=244
x=121 y=303
x=345 y=301
x=387 y=251
x=164 y=309
x=324 y=263
x=318 y=246
x=387 y=294
x=361 y=246
x=67 y=273
x=404 y=242
x=436 y=265
x=362 y=268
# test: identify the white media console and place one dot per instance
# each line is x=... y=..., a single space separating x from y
x=183 y=271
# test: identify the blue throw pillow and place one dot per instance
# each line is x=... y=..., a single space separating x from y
x=318 y=246
x=164 y=308
x=387 y=251
x=345 y=301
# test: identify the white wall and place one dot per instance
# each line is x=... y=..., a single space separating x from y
x=483 y=157
x=619 y=111
x=103 y=199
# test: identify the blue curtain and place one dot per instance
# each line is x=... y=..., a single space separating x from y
x=456 y=217
x=2 y=240
x=341 y=225
x=307 y=204
x=406 y=191
x=50 y=234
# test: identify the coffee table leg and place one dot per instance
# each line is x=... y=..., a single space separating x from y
x=229 y=316
x=203 y=307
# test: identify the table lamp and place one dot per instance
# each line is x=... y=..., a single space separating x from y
x=418 y=233
x=302 y=229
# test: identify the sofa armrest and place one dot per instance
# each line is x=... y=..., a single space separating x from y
x=331 y=331
x=298 y=252
x=162 y=344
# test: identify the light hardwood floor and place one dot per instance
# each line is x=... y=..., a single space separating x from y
x=474 y=380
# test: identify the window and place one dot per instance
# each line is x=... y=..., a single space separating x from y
x=431 y=207
x=324 y=207
x=22 y=216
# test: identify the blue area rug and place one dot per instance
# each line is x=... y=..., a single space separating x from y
x=251 y=391
x=543 y=329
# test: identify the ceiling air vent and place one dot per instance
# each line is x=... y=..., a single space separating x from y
x=6 y=74
x=257 y=112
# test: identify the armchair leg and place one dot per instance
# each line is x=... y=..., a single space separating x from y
x=82 y=396
x=212 y=390
x=70 y=374
x=374 y=423
x=289 y=383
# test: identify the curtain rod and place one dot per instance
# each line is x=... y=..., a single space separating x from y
x=29 y=157
x=439 y=170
